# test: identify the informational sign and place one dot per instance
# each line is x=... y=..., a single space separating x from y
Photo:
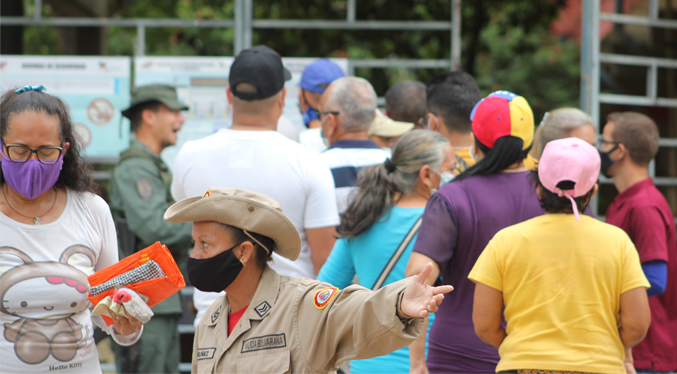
x=201 y=85
x=95 y=89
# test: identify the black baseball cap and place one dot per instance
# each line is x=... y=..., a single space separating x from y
x=261 y=67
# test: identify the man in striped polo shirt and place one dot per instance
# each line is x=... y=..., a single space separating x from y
x=347 y=109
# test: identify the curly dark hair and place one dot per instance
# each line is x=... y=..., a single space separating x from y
x=553 y=203
x=76 y=174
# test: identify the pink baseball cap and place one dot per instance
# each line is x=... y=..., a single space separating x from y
x=572 y=160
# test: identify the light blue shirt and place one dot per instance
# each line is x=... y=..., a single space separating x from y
x=365 y=256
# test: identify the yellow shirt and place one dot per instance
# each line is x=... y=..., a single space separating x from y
x=561 y=281
x=530 y=162
x=465 y=155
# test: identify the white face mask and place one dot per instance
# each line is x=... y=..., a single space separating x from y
x=472 y=153
x=446 y=177
x=324 y=140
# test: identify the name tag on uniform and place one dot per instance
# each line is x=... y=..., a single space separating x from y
x=205 y=353
x=264 y=342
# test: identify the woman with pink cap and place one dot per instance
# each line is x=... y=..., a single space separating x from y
x=570 y=287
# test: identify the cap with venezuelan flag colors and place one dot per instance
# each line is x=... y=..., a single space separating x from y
x=500 y=114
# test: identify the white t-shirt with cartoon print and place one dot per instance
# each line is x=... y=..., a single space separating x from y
x=44 y=315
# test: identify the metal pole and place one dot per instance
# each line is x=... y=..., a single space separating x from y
x=590 y=60
x=247 y=24
x=37 y=12
x=140 y=40
x=456 y=35
x=653 y=9
x=350 y=16
x=239 y=26
x=590 y=68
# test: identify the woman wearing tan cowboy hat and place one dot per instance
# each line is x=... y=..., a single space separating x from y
x=268 y=323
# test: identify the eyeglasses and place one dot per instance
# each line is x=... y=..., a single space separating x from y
x=325 y=113
x=21 y=153
x=601 y=143
x=423 y=121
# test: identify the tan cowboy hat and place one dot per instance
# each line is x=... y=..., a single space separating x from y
x=246 y=210
x=388 y=128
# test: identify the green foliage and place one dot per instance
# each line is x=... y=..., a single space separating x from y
x=548 y=76
x=506 y=43
x=517 y=53
x=174 y=41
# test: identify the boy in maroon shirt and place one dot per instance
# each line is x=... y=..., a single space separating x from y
x=629 y=143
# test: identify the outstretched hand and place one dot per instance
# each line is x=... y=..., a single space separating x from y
x=419 y=299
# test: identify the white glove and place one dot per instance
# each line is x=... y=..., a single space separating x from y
x=125 y=302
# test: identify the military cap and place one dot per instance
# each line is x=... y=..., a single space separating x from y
x=155 y=92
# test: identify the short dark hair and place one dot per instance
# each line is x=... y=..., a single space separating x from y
x=136 y=112
x=638 y=133
x=452 y=97
x=406 y=101
x=76 y=174
x=261 y=255
x=553 y=203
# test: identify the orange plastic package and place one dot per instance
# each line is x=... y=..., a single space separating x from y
x=156 y=290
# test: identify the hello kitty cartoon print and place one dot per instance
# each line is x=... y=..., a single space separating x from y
x=44 y=324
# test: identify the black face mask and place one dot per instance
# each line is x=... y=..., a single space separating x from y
x=606 y=161
x=214 y=274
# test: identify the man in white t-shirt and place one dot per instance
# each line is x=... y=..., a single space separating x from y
x=347 y=109
x=251 y=155
x=316 y=77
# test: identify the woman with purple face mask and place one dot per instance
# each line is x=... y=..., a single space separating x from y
x=54 y=232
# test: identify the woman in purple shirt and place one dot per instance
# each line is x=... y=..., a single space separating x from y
x=460 y=220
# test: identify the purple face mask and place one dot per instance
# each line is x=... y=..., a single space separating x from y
x=31 y=178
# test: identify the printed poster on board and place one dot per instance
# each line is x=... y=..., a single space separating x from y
x=95 y=89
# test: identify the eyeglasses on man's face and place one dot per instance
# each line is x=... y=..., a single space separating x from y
x=602 y=144
x=322 y=114
x=21 y=153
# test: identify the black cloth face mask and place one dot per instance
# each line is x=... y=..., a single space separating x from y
x=216 y=273
x=606 y=161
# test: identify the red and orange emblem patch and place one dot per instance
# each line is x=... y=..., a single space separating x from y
x=324 y=296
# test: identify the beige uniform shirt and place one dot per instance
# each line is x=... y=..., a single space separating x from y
x=300 y=325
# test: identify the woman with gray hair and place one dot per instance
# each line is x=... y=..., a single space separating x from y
x=378 y=229
x=559 y=124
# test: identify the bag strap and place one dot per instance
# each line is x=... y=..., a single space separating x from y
x=397 y=255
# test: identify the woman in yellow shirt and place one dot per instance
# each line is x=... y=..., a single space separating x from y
x=572 y=287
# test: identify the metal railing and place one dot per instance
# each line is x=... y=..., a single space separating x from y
x=244 y=26
x=592 y=58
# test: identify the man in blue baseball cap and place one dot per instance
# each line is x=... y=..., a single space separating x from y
x=315 y=79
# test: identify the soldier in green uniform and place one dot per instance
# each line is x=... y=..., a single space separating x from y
x=139 y=193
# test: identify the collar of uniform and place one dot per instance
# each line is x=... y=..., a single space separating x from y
x=266 y=293
x=633 y=191
x=265 y=296
x=259 y=307
x=145 y=148
x=353 y=143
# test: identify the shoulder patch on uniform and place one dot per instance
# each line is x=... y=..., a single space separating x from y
x=264 y=342
x=324 y=296
x=205 y=353
x=262 y=308
x=144 y=188
x=216 y=314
